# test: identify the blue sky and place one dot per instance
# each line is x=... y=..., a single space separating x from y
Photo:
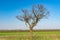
x=10 y=8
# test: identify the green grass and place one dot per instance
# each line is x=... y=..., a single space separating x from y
x=42 y=35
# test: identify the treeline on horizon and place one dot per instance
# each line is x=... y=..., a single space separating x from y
x=27 y=30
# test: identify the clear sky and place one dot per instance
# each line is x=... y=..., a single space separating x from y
x=10 y=8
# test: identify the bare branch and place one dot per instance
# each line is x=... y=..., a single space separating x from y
x=20 y=18
x=38 y=13
x=33 y=10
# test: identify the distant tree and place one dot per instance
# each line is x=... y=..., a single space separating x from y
x=32 y=17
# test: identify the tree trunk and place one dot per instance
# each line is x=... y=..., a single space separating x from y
x=31 y=33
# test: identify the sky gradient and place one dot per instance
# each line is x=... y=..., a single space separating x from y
x=9 y=9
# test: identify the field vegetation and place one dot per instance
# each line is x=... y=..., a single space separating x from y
x=24 y=35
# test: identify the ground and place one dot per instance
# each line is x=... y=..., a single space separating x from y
x=37 y=35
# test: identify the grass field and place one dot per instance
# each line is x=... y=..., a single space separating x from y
x=37 y=35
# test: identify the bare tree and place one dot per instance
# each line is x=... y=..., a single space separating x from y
x=31 y=18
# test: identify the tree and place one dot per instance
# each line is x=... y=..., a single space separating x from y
x=31 y=18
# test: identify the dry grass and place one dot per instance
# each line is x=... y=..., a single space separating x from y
x=35 y=37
